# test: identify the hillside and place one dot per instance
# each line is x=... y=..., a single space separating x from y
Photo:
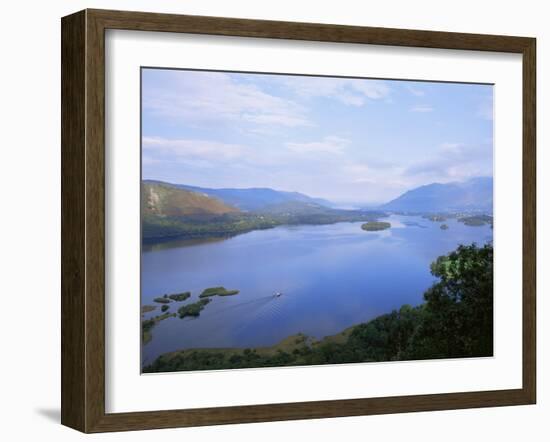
x=168 y=201
x=170 y=210
x=252 y=199
x=475 y=194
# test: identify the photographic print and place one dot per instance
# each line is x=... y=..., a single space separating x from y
x=296 y=220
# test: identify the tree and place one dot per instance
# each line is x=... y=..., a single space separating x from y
x=458 y=313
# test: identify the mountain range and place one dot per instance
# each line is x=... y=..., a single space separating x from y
x=249 y=200
x=475 y=194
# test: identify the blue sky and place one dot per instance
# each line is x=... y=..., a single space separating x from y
x=347 y=140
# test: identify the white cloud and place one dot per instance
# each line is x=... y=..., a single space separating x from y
x=415 y=91
x=451 y=147
x=276 y=119
x=422 y=108
x=455 y=161
x=147 y=160
x=207 y=150
x=370 y=88
x=371 y=175
x=352 y=92
x=330 y=144
x=196 y=97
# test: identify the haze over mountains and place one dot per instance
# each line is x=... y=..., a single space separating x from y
x=169 y=199
x=475 y=194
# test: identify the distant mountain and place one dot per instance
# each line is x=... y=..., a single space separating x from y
x=252 y=199
x=164 y=200
x=475 y=194
x=297 y=208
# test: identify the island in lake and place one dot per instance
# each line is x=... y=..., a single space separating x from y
x=188 y=310
x=375 y=226
x=217 y=291
x=193 y=309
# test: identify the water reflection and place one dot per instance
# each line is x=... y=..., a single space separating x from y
x=156 y=246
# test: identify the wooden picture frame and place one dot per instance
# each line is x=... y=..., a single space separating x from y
x=83 y=220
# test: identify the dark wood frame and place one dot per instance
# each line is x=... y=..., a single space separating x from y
x=83 y=220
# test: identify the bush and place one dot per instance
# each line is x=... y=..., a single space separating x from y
x=180 y=296
x=163 y=300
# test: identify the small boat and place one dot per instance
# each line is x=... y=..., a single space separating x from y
x=278 y=294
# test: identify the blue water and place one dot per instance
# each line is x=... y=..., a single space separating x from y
x=331 y=277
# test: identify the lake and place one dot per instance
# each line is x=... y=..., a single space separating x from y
x=330 y=276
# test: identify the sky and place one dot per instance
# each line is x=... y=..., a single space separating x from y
x=351 y=141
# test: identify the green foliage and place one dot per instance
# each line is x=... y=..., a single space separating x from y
x=456 y=320
x=164 y=308
x=388 y=337
x=373 y=226
x=180 y=296
x=217 y=291
x=193 y=309
x=156 y=227
x=162 y=300
x=476 y=220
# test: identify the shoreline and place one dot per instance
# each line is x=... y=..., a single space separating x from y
x=226 y=235
x=222 y=235
x=290 y=343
